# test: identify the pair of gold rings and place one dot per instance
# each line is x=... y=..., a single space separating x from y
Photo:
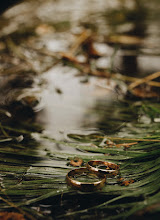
x=105 y=169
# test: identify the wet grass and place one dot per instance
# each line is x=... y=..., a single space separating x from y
x=31 y=177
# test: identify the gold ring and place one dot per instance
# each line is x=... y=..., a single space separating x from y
x=110 y=168
x=85 y=186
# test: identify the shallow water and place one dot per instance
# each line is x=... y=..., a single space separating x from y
x=73 y=108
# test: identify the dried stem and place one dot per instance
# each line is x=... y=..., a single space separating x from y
x=144 y=80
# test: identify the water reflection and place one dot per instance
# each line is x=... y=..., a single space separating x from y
x=68 y=111
x=87 y=106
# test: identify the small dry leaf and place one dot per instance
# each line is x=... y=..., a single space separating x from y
x=76 y=162
x=125 y=182
x=11 y=216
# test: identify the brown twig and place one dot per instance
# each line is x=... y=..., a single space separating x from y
x=144 y=80
x=133 y=79
x=79 y=41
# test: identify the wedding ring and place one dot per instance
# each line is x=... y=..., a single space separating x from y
x=85 y=186
x=110 y=168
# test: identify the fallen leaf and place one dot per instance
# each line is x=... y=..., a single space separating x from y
x=125 y=182
x=11 y=216
x=76 y=162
